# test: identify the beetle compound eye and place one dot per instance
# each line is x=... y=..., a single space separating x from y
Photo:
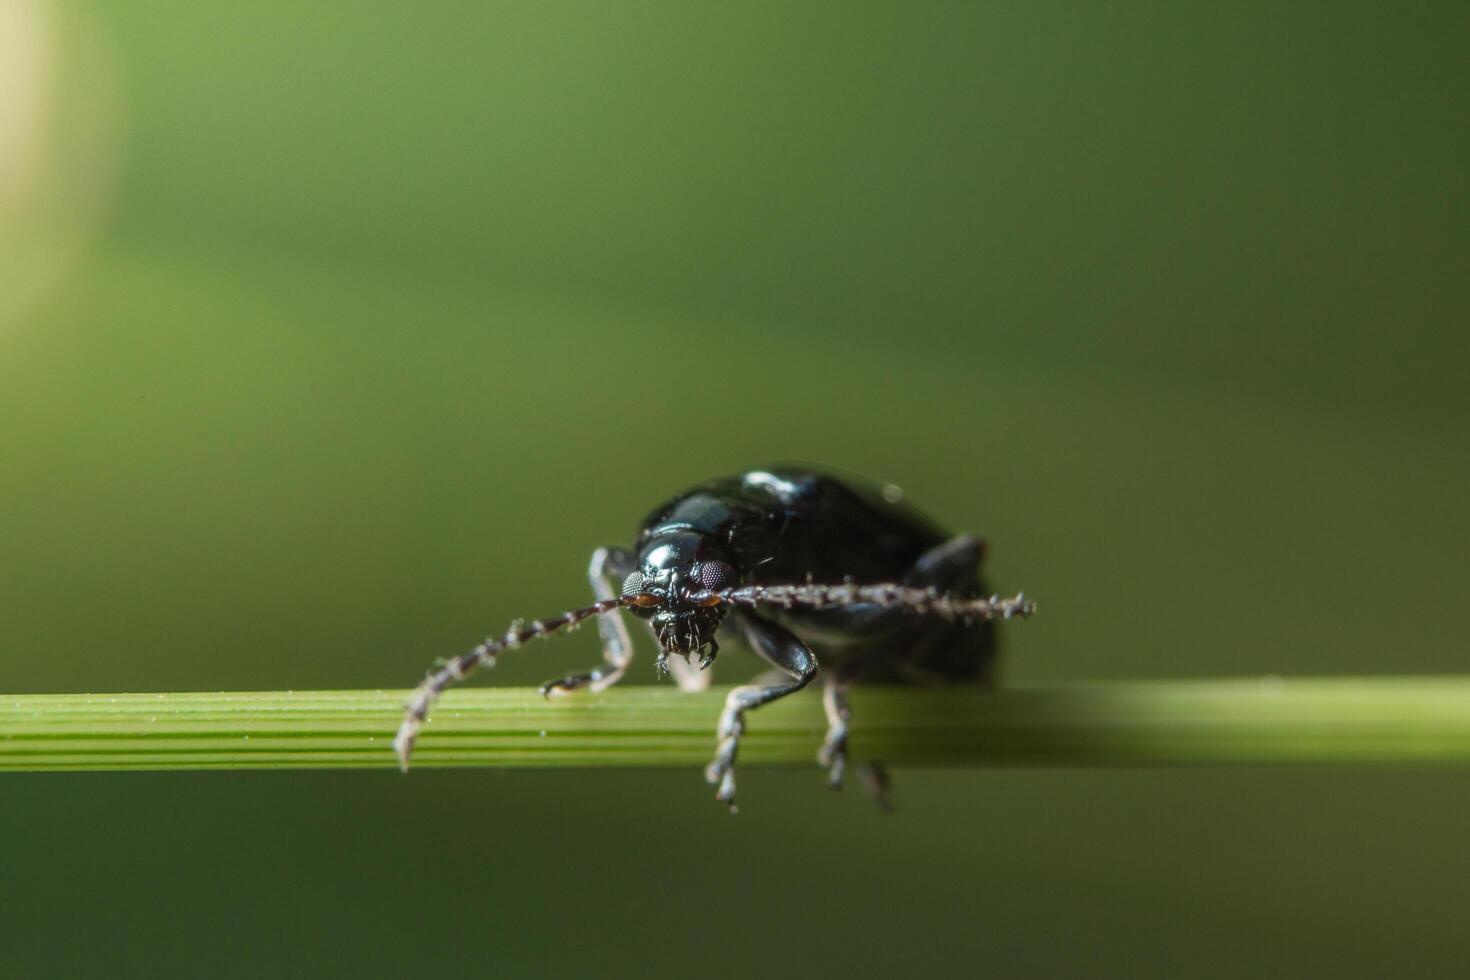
x=634 y=595
x=716 y=575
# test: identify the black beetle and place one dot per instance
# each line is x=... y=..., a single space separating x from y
x=810 y=571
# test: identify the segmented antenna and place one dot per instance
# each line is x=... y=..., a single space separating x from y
x=457 y=669
x=924 y=602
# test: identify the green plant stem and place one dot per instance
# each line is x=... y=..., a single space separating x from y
x=1403 y=720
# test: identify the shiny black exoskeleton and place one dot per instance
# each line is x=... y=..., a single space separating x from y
x=813 y=573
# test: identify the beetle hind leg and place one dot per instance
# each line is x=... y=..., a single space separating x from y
x=875 y=780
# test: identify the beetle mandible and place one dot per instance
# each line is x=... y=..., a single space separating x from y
x=812 y=572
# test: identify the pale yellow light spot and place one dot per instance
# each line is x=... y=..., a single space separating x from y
x=58 y=123
x=25 y=65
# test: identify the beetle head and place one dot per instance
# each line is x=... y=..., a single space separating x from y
x=674 y=569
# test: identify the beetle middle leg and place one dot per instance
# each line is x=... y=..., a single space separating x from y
x=833 y=753
x=617 y=646
x=791 y=656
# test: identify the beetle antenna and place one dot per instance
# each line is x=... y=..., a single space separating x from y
x=416 y=711
x=887 y=595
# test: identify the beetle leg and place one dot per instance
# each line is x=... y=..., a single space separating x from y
x=955 y=564
x=617 y=646
x=833 y=753
x=875 y=781
x=784 y=651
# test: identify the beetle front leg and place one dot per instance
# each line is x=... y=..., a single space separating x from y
x=784 y=651
x=617 y=646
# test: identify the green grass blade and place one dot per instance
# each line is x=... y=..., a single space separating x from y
x=1396 y=721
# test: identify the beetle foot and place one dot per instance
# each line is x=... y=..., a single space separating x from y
x=726 y=793
x=833 y=756
x=594 y=679
x=721 y=769
x=722 y=773
x=565 y=685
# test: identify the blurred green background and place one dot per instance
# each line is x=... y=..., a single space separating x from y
x=333 y=337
